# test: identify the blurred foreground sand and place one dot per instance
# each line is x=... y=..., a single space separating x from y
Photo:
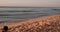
x=44 y=24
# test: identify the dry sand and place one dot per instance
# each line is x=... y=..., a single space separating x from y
x=44 y=24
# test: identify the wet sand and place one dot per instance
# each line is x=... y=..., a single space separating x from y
x=40 y=24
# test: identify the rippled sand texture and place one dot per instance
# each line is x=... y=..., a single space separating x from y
x=44 y=24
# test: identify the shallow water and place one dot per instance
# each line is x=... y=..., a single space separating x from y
x=17 y=14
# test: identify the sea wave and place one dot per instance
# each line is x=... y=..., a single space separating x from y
x=17 y=11
x=15 y=14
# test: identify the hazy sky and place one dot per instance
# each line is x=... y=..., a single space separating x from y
x=36 y=3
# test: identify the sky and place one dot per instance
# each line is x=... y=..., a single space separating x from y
x=31 y=3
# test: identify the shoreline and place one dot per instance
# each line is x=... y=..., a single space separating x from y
x=29 y=19
x=26 y=19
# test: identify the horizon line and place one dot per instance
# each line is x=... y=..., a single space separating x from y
x=18 y=6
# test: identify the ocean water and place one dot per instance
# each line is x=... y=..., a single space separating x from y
x=18 y=14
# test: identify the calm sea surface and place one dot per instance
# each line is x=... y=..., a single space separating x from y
x=17 y=14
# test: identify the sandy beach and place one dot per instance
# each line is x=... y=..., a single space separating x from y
x=40 y=24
